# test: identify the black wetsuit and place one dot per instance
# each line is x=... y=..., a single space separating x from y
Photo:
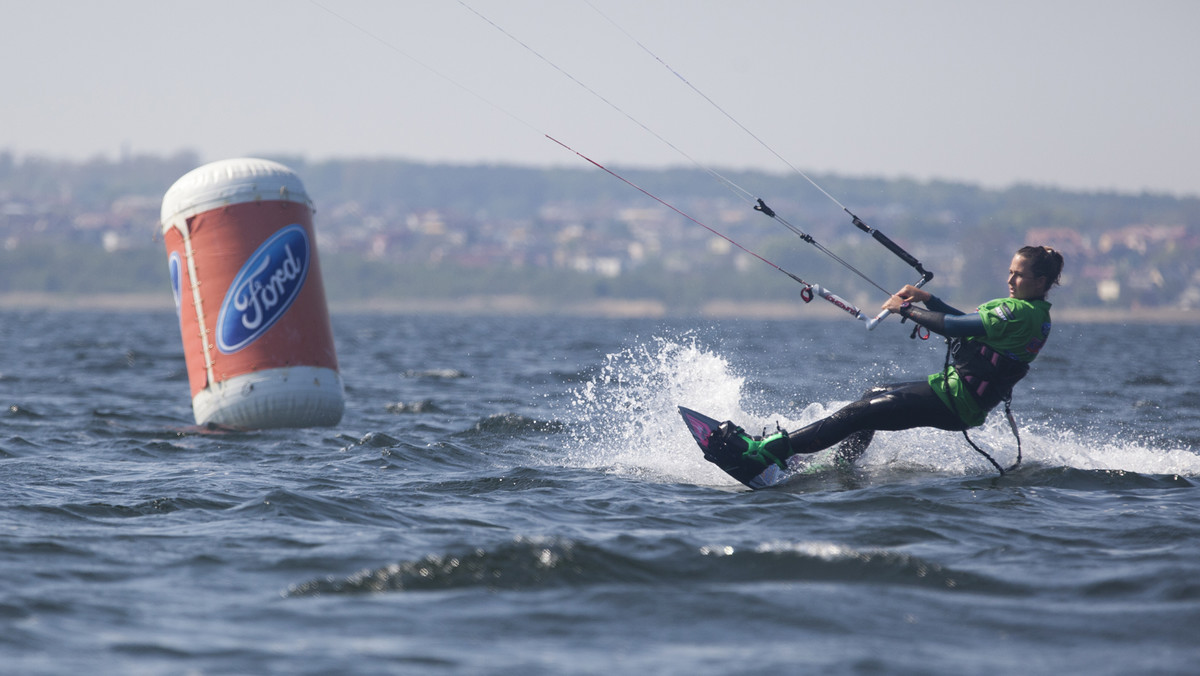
x=900 y=406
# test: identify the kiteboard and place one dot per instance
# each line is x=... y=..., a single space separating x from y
x=702 y=427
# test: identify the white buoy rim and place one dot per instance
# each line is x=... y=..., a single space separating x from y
x=227 y=182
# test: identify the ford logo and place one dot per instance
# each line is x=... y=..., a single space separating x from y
x=264 y=289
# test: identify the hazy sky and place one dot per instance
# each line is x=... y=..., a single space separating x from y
x=1081 y=94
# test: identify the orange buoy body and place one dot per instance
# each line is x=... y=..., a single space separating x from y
x=257 y=339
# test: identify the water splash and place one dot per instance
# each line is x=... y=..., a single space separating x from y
x=624 y=418
x=1121 y=452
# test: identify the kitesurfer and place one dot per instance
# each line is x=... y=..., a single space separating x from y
x=990 y=350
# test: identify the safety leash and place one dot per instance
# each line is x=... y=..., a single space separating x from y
x=1012 y=424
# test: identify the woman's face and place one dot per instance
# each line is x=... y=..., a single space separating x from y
x=1022 y=284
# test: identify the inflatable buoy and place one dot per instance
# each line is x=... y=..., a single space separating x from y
x=242 y=256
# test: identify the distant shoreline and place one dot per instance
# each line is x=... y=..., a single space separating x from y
x=598 y=308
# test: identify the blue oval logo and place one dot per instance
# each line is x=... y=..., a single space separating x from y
x=265 y=287
x=175 y=266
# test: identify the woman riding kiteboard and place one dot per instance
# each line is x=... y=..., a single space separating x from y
x=990 y=350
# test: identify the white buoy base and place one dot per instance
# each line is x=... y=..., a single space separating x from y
x=297 y=396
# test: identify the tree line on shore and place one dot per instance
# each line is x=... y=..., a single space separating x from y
x=962 y=227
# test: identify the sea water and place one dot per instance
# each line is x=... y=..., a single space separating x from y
x=514 y=495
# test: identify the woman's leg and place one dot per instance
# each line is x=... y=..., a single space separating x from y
x=892 y=407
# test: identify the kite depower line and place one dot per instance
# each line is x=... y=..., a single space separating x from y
x=757 y=203
x=761 y=206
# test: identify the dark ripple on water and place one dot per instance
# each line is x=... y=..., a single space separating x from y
x=538 y=564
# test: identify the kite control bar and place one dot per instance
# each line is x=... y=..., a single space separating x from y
x=900 y=252
x=872 y=323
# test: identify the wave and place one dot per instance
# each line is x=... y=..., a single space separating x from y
x=311 y=506
x=1075 y=479
x=21 y=411
x=420 y=406
x=104 y=511
x=514 y=423
x=539 y=563
x=439 y=374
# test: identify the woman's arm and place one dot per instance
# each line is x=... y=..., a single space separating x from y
x=942 y=318
x=938 y=305
x=949 y=325
x=915 y=294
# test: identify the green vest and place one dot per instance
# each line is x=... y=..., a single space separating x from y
x=1016 y=329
